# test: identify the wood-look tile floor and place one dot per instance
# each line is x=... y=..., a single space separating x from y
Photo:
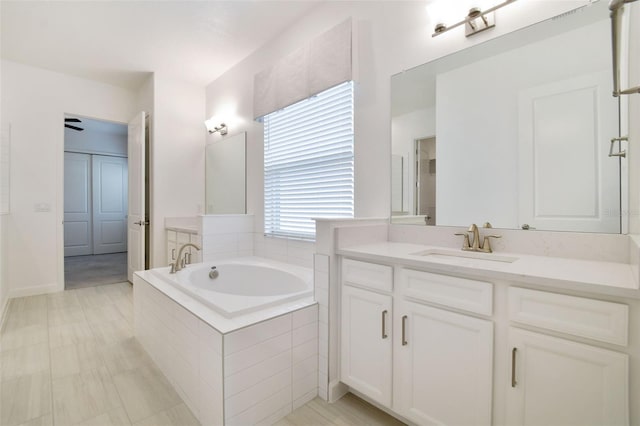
x=70 y=358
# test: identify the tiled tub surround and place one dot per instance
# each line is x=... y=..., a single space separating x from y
x=573 y=300
x=251 y=369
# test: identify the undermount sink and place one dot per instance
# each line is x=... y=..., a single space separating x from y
x=444 y=254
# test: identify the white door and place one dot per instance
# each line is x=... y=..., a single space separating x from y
x=77 y=204
x=444 y=366
x=109 y=204
x=564 y=137
x=137 y=215
x=366 y=343
x=559 y=382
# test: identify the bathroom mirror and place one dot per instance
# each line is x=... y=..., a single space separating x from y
x=516 y=131
x=225 y=174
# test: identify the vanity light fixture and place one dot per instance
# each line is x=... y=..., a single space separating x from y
x=477 y=20
x=213 y=128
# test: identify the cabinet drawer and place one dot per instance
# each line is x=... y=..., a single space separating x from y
x=461 y=293
x=172 y=236
x=578 y=316
x=370 y=275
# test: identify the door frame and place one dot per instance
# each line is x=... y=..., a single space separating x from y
x=59 y=213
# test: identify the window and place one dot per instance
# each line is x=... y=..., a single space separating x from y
x=308 y=163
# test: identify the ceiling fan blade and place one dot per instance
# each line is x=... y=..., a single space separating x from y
x=73 y=127
x=72 y=120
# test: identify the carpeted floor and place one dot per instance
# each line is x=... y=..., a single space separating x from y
x=90 y=271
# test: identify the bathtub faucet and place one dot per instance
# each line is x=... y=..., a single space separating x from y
x=181 y=263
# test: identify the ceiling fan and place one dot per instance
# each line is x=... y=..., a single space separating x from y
x=73 y=120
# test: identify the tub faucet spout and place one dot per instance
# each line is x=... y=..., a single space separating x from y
x=177 y=265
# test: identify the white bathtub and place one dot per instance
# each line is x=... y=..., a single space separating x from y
x=243 y=285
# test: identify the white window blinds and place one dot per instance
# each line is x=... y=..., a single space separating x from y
x=308 y=163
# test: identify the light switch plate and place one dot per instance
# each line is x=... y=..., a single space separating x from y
x=42 y=207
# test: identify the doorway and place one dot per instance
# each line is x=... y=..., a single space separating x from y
x=425 y=197
x=95 y=202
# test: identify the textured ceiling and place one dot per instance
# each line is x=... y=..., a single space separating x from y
x=121 y=42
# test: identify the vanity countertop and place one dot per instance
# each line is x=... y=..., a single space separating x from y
x=606 y=278
x=183 y=228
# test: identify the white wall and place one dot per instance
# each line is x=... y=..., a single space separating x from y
x=388 y=37
x=34 y=102
x=177 y=157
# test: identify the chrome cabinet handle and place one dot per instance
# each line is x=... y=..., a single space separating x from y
x=404 y=330
x=513 y=367
x=173 y=254
x=384 y=324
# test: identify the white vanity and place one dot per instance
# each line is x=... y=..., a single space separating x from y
x=180 y=231
x=441 y=336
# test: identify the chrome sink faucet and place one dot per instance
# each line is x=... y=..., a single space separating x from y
x=180 y=262
x=473 y=243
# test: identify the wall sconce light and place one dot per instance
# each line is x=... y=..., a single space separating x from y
x=476 y=21
x=214 y=128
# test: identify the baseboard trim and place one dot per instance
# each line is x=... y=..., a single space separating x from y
x=337 y=390
x=33 y=291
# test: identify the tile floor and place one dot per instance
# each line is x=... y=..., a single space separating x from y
x=89 y=271
x=70 y=358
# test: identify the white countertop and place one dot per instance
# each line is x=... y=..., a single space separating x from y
x=609 y=278
x=183 y=228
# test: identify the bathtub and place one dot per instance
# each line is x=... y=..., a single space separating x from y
x=243 y=285
x=247 y=332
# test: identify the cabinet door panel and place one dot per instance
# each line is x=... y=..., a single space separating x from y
x=366 y=352
x=444 y=371
x=558 y=381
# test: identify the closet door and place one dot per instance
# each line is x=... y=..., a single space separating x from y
x=109 y=204
x=77 y=204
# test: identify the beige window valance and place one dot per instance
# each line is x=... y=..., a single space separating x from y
x=321 y=64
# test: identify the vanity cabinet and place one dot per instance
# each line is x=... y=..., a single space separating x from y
x=175 y=239
x=443 y=366
x=558 y=381
x=421 y=344
x=428 y=364
x=366 y=343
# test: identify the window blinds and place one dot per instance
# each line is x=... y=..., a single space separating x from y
x=308 y=163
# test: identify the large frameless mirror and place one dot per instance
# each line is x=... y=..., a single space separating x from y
x=516 y=131
x=225 y=174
